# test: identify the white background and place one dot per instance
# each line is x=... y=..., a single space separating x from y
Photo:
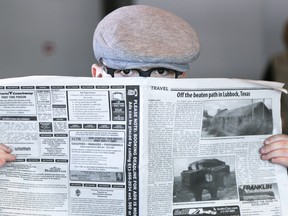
x=237 y=36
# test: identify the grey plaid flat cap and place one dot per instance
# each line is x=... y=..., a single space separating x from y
x=140 y=36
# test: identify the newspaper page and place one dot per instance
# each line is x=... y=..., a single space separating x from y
x=105 y=147
x=203 y=140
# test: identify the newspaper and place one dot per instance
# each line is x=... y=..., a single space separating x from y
x=138 y=146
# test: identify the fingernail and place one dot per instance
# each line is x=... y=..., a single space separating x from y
x=2 y=162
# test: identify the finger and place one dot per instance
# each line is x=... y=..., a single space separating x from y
x=280 y=160
x=275 y=138
x=7 y=157
x=275 y=154
x=5 y=148
x=282 y=144
x=2 y=162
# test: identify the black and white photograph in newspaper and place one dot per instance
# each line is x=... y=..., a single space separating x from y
x=202 y=179
x=223 y=118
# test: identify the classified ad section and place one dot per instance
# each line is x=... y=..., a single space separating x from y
x=203 y=149
x=76 y=145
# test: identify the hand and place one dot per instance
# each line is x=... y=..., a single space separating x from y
x=5 y=155
x=275 y=149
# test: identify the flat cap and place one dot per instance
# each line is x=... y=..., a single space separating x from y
x=140 y=36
